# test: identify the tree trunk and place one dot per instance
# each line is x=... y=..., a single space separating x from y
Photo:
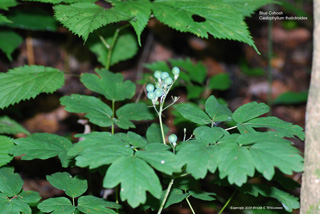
x=310 y=192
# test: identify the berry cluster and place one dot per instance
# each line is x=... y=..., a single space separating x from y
x=163 y=84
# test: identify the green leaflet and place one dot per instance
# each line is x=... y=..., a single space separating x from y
x=9 y=126
x=289 y=202
x=36 y=19
x=101 y=154
x=5 y=145
x=42 y=146
x=221 y=19
x=84 y=18
x=4 y=20
x=175 y=196
x=133 y=139
x=96 y=111
x=220 y=82
x=12 y=199
x=193 y=113
x=62 y=1
x=283 y=128
x=159 y=65
x=163 y=161
x=205 y=196
x=5 y=4
x=132 y=111
x=291 y=98
x=109 y=84
x=154 y=133
x=136 y=178
x=93 y=205
x=9 y=41
x=194 y=91
x=73 y=186
x=208 y=135
x=57 y=206
x=199 y=158
x=235 y=162
x=140 y=11
x=27 y=82
x=89 y=140
x=249 y=111
x=216 y=111
x=125 y=47
x=11 y=183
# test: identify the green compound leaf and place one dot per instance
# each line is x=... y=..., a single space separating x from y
x=164 y=161
x=136 y=178
x=5 y=145
x=194 y=72
x=235 y=162
x=220 y=82
x=27 y=82
x=132 y=111
x=219 y=18
x=216 y=111
x=11 y=183
x=140 y=11
x=101 y=154
x=42 y=146
x=249 y=111
x=13 y=206
x=282 y=127
x=125 y=47
x=84 y=18
x=32 y=20
x=154 y=133
x=57 y=206
x=193 y=113
x=109 y=84
x=199 y=158
x=288 y=201
x=29 y=196
x=9 y=126
x=93 y=205
x=5 y=4
x=96 y=111
x=9 y=41
x=73 y=187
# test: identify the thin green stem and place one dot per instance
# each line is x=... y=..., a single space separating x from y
x=161 y=125
x=233 y=127
x=166 y=196
x=103 y=41
x=113 y=42
x=226 y=204
x=190 y=205
x=73 y=203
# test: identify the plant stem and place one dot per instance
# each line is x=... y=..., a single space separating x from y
x=233 y=127
x=73 y=201
x=113 y=42
x=190 y=205
x=226 y=204
x=161 y=125
x=166 y=196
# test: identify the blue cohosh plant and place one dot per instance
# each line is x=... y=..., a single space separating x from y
x=147 y=171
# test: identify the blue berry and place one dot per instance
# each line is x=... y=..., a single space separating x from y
x=173 y=138
x=168 y=81
x=157 y=74
x=158 y=92
x=164 y=75
x=150 y=87
x=151 y=95
x=175 y=70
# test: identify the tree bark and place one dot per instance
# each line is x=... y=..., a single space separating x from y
x=310 y=192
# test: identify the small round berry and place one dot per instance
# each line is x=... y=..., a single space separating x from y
x=164 y=75
x=150 y=87
x=158 y=92
x=151 y=95
x=173 y=138
x=157 y=74
x=168 y=81
x=175 y=70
